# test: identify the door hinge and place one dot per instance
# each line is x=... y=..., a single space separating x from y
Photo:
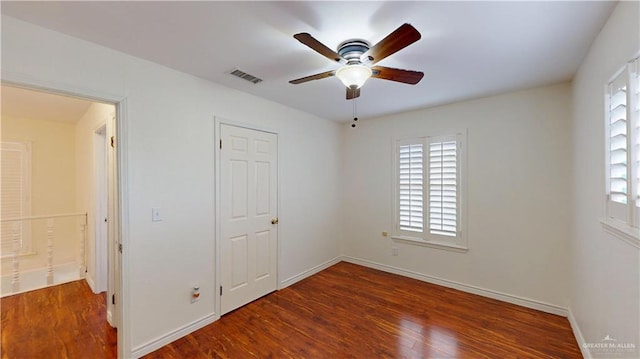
x=113 y=299
x=221 y=291
x=113 y=141
x=120 y=247
x=220 y=144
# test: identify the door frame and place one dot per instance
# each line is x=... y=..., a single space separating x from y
x=122 y=267
x=219 y=121
x=100 y=194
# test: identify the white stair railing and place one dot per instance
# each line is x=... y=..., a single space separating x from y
x=16 y=240
x=50 y=251
x=15 y=269
x=82 y=270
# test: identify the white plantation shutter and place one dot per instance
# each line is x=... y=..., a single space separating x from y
x=623 y=146
x=635 y=101
x=443 y=187
x=410 y=187
x=618 y=139
x=15 y=188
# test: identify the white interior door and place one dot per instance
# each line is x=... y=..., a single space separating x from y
x=248 y=215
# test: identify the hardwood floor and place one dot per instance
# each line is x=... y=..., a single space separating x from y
x=349 y=311
x=346 y=311
x=64 y=321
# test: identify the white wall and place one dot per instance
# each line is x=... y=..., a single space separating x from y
x=604 y=297
x=93 y=119
x=170 y=164
x=518 y=194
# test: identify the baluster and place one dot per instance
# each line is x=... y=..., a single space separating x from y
x=83 y=238
x=15 y=272
x=50 y=251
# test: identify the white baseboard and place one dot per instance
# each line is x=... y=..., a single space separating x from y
x=91 y=283
x=309 y=272
x=578 y=334
x=158 y=343
x=110 y=318
x=513 y=299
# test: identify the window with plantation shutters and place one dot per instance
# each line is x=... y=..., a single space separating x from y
x=429 y=191
x=15 y=195
x=622 y=124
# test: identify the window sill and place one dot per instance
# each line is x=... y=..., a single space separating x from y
x=622 y=231
x=432 y=244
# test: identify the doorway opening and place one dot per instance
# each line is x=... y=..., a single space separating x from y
x=64 y=211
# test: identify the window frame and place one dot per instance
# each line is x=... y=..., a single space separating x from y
x=623 y=219
x=457 y=243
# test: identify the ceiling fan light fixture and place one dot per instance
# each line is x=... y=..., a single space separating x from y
x=353 y=76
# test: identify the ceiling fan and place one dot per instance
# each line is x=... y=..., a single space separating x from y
x=358 y=57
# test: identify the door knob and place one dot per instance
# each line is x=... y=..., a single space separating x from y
x=274 y=221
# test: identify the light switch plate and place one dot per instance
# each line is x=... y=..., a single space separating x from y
x=155 y=215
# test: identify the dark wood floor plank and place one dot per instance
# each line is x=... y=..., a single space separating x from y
x=63 y=321
x=346 y=311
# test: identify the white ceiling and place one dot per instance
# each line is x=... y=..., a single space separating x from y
x=35 y=105
x=467 y=50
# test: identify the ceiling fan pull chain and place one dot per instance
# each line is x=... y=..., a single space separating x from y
x=355 y=112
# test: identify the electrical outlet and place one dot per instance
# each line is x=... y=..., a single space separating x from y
x=195 y=294
x=394 y=251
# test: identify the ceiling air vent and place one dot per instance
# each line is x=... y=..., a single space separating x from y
x=245 y=76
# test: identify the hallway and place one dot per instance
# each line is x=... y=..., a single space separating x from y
x=63 y=321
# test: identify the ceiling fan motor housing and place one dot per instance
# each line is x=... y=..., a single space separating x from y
x=351 y=50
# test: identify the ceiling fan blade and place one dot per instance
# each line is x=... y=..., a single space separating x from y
x=319 y=47
x=352 y=93
x=397 y=75
x=402 y=37
x=319 y=76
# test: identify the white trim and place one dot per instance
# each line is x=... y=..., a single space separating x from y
x=433 y=244
x=309 y=272
x=122 y=161
x=90 y=282
x=622 y=231
x=100 y=192
x=29 y=82
x=217 y=137
x=509 y=298
x=577 y=333
x=109 y=317
x=163 y=340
